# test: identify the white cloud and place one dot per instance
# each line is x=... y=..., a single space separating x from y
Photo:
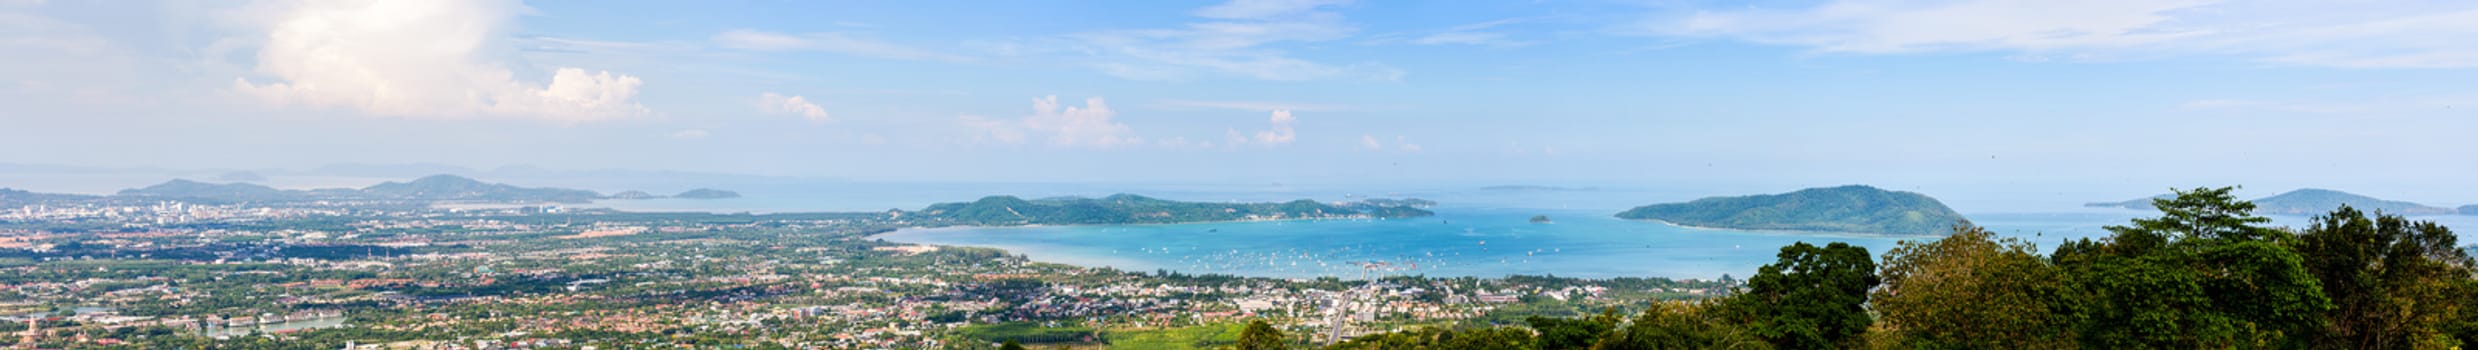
x=756 y=40
x=690 y=134
x=1237 y=40
x=1090 y=126
x=1282 y=132
x=1370 y=142
x=2390 y=34
x=1405 y=145
x=419 y=59
x=795 y=105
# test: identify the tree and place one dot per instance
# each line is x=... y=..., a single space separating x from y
x=1010 y=345
x=1560 y=333
x=2200 y=275
x=1812 y=298
x=1261 y=336
x=1680 y=325
x=1970 y=290
x=2392 y=281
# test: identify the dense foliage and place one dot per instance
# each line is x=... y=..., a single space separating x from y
x=2205 y=274
x=1853 y=208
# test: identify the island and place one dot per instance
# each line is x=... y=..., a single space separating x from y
x=2469 y=209
x=632 y=195
x=1849 y=209
x=1540 y=219
x=2312 y=201
x=707 y=193
x=1135 y=209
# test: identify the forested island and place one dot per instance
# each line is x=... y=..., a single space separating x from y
x=1853 y=209
x=1135 y=209
x=2310 y=201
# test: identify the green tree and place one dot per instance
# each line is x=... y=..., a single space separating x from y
x=2392 y=281
x=1261 y=336
x=1812 y=298
x=1680 y=325
x=1010 y=345
x=2200 y=275
x=1562 y=333
x=1970 y=290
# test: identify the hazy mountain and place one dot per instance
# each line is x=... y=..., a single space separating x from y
x=16 y=197
x=184 y=189
x=1854 y=208
x=452 y=187
x=2137 y=203
x=2315 y=201
x=2469 y=209
x=632 y=195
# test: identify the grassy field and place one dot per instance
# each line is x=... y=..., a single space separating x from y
x=1194 y=337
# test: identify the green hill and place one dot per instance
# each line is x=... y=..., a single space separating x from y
x=1853 y=208
x=1134 y=209
x=2311 y=201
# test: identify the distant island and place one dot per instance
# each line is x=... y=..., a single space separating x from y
x=1853 y=209
x=426 y=189
x=2469 y=209
x=1540 y=219
x=707 y=193
x=1134 y=209
x=1537 y=188
x=2313 y=201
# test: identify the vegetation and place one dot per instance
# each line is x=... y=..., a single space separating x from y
x=1854 y=208
x=2204 y=274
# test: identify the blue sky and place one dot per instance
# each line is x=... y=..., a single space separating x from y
x=2117 y=96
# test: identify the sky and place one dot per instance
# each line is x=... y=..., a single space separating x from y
x=2111 y=96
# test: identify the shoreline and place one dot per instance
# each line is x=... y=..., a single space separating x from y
x=1793 y=232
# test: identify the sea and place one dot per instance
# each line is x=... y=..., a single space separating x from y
x=1478 y=231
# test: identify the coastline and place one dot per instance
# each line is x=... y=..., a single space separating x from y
x=1788 y=232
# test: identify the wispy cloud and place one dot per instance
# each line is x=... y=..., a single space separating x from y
x=2394 y=34
x=1239 y=38
x=1259 y=106
x=842 y=43
x=1479 y=34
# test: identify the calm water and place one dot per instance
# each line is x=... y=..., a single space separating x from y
x=1475 y=233
x=1477 y=239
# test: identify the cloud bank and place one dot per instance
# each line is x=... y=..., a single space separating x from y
x=432 y=59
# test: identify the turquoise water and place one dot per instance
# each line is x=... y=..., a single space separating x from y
x=1475 y=233
x=1459 y=241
